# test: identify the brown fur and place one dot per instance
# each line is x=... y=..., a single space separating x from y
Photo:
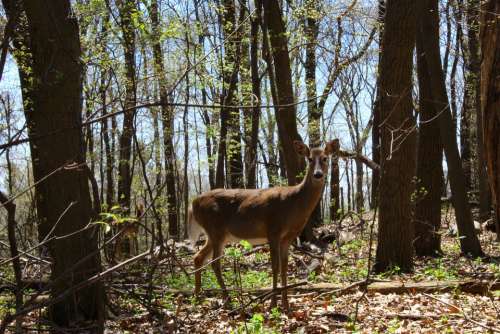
x=276 y=215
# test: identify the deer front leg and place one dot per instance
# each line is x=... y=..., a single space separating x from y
x=275 y=264
x=218 y=272
x=284 y=273
x=199 y=259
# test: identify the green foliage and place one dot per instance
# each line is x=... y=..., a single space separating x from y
x=254 y=326
x=354 y=272
x=393 y=326
x=436 y=269
x=113 y=218
x=353 y=246
x=395 y=270
x=7 y=305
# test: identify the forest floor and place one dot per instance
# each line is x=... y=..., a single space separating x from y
x=332 y=301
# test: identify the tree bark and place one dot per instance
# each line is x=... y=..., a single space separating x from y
x=252 y=116
x=52 y=91
x=167 y=113
x=397 y=149
x=124 y=167
x=335 y=188
x=376 y=112
x=468 y=239
x=286 y=117
x=490 y=97
x=430 y=152
x=230 y=132
x=471 y=103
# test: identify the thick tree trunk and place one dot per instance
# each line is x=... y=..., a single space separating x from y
x=286 y=117
x=430 y=153
x=230 y=132
x=490 y=97
x=52 y=91
x=397 y=149
x=430 y=46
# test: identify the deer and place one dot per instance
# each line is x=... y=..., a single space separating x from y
x=274 y=215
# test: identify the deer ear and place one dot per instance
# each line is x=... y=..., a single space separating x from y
x=332 y=146
x=301 y=148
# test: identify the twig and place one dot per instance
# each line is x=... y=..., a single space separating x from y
x=464 y=315
x=267 y=295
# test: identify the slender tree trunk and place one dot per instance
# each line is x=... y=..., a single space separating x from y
x=397 y=149
x=348 y=180
x=124 y=164
x=430 y=154
x=104 y=77
x=335 y=188
x=252 y=120
x=471 y=105
x=311 y=27
x=376 y=112
x=52 y=91
x=167 y=113
x=360 y=199
x=490 y=97
x=468 y=239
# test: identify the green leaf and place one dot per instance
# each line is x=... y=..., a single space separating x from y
x=246 y=245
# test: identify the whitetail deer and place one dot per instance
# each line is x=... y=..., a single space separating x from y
x=275 y=216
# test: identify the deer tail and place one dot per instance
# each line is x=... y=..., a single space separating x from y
x=194 y=228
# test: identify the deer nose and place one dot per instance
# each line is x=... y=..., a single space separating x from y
x=318 y=174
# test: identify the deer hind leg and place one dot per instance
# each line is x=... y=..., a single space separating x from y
x=199 y=259
x=284 y=272
x=217 y=269
x=275 y=266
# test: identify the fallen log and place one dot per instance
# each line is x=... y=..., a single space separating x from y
x=397 y=287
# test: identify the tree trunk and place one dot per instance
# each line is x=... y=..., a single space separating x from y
x=490 y=97
x=471 y=102
x=397 y=149
x=252 y=120
x=348 y=180
x=167 y=113
x=311 y=28
x=124 y=167
x=430 y=46
x=230 y=132
x=104 y=77
x=360 y=200
x=335 y=188
x=286 y=114
x=52 y=91
x=376 y=113
x=430 y=153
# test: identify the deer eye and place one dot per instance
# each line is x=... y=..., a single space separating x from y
x=310 y=159
x=324 y=159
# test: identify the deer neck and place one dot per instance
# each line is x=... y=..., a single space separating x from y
x=309 y=192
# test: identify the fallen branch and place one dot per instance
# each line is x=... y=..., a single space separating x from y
x=468 y=286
